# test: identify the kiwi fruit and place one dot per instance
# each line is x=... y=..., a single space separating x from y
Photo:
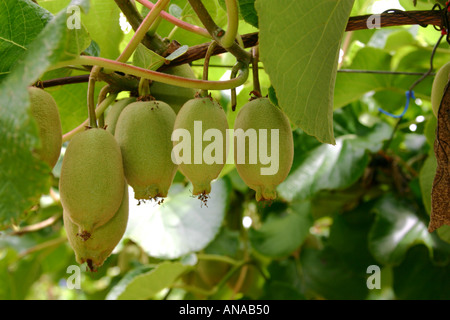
x=114 y=112
x=92 y=179
x=143 y=132
x=95 y=250
x=195 y=117
x=173 y=95
x=45 y=111
x=255 y=115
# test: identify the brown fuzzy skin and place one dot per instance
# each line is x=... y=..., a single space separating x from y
x=212 y=116
x=143 y=133
x=92 y=179
x=262 y=114
x=45 y=111
x=103 y=240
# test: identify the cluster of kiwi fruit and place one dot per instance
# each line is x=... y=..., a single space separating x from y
x=135 y=148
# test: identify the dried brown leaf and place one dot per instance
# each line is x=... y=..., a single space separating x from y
x=440 y=194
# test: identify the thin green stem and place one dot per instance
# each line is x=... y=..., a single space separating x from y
x=42 y=246
x=144 y=87
x=99 y=111
x=256 y=84
x=142 y=30
x=91 y=102
x=233 y=74
x=101 y=97
x=216 y=257
x=152 y=30
x=209 y=52
x=217 y=33
x=177 y=22
x=159 y=76
x=229 y=37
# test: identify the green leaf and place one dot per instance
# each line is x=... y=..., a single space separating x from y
x=146 y=285
x=299 y=47
x=24 y=177
x=348 y=236
x=326 y=273
x=122 y=285
x=274 y=290
x=71 y=101
x=361 y=83
x=282 y=233
x=426 y=178
x=331 y=167
x=177 y=53
x=146 y=58
x=398 y=39
x=181 y=225
x=226 y=243
x=285 y=272
x=417 y=278
x=20 y=23
x=175 y=11
x=104 y=29
x=248 y=12
x=444 y=233
x=397 y=227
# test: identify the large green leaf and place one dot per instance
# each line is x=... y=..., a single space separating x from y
x=23 y=176
x=397 y=227
x=331 y=167
x=329 y=275
x=417 y=278
x=144 y=286
x=285 y=281
x=182 y=224
x=282 y=233
x=348 y=236
x=20 y=23
x=102 y=23
x=361 y=83
x=299 y=47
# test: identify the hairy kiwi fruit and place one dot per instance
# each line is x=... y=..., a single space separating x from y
x=95 y=250
x=255 y=115
x=173 y=95
x=205 y=163
x=437 y=90
x=114 y=112
x=92 y=179
x=143 y=133
x=45 y=112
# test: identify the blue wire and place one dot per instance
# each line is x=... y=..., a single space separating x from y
x=409 y=95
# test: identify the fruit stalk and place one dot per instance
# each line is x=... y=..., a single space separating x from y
x=209 y=52
x=100 y=109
